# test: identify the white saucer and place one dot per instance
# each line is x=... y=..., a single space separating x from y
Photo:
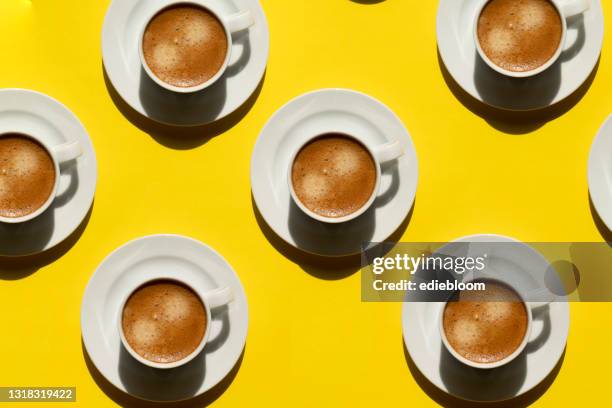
x=458 y=51
x=323 y=111
x=148 y=258
x=422 y=339
x=120 y=34
x=31 y=112
x=600 y=173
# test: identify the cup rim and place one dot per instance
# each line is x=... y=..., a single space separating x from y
x=203 y=85
x=522 y=74
x=519 y=350
x=40 y=210
x=329 y=220
x=173 y=364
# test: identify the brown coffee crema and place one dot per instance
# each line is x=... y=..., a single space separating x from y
x=520 y=35
x=333 y=175
x=185 y=45
x=164 y=321
x=27 y=175
x=486 y=326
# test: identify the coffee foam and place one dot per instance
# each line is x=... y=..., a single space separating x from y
x=164 y=321
x=333 y=175
x=185 y=45
x=519 y=35
x=315 y=187
x=531 y=16
x=488 y=326
x=500 y=40
x=27 y=175
x=165 y=56
x=466 y=332
x=174 y=307
x=145 y=331
x=197 y=33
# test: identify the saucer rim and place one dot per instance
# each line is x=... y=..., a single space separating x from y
x=488 y=237
x=88 y=290
x=93 y=179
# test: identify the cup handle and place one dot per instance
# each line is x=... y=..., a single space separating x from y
x=239 y=21
x=218 y=297
x=68 y=151
x=571 y=8
x=389 y=151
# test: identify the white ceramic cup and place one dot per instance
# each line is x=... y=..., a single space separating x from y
x=231 y=24
x=529 y=306
x=211 y=300
x=60 y=154
x=566 y=10
x=381 y=154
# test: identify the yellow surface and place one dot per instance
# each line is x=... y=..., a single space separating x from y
x=311 y=341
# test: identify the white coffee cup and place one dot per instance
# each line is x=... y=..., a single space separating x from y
x=60 y=154
x=529 y=306
x=381 y=154
x=566 y=10
x=231 y=24
x=211 y=300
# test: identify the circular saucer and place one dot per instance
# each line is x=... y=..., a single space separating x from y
x=31 y=112
x=122 y=24
x=600 y=173
x=324 y=111
x=456 y=46
x=422 y=338
x=170 y=256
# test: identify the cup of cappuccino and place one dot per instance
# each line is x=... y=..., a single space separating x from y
x=165 y=323
x=335 y=177
x=185 y=46
x=30 y=174
x=520 y=39
x=487 y=329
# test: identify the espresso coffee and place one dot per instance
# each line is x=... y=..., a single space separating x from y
x=334 y=175
x=519 y=35
x=185 y=45
x=164 y=321
x=27 y=175
x=486 y=326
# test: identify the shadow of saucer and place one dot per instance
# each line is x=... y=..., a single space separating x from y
x=483 y=383
x=320 y=267
x=14 y=268
x=498 y=90
x=187 y=382
x=605 y=233
x=164 y=104
x=367 y=1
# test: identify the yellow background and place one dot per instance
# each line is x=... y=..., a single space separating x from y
x=311 y=341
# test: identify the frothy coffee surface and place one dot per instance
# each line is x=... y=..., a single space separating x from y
x=334 y=175
x=519 y=35
x=185 y=45
x=486 y=326
x=164 y=321
x=27 y=175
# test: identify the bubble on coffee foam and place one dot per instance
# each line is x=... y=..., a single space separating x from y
x=531 y=16
x=314 y=186
x=145 y=331
x=500 y=40
x=165 y=55
x=345 y=162
x=175 y=307
x=197 y=32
